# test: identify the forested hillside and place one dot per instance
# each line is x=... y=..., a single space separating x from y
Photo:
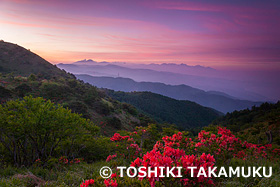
x=258 y=125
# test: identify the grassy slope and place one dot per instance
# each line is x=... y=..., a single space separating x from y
x=23 y=62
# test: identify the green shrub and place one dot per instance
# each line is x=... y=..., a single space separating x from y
x=33 y=128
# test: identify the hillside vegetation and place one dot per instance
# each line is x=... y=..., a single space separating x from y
x=259 y=124
x=81 y=98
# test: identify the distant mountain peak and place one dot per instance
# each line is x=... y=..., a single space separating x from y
x=90 y=62
x=85 y=61
x=181 y=65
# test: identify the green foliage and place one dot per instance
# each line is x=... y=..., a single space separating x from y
x=4 y=93
x=54 y=90
x=102 y=107
x=114 y=122
x=33 y=128
x=78 y=107
x=32 y=77
x=22 y=89
x=129 y=108
x=97 y=148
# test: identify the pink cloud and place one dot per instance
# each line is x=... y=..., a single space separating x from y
x=220 y=34
x=209 y=6
x=232 y=16
x=28 y=24
x=179 y=5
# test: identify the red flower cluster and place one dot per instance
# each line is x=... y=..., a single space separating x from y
x=65 y=161
x=169 y=157
x=110 y=183
x=216 y=144
x=177 y=140
x=114 y=175
x=110 y=157
x=87 y=183
x=76 y=160
x=205 y=161
x=128 y=146
x=226 y=145
x=117 y=137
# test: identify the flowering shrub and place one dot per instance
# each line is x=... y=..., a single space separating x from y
x=110 y=183
x=110 y=157
x=127 y=147
x=87 y=183
x=167 y=156
x=178 y=141
x=106 y=182
x=225 y=146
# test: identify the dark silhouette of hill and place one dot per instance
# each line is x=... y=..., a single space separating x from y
x=217 y=100
x=23 y=62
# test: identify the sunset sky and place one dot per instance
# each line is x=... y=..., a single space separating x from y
x=239 y=34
